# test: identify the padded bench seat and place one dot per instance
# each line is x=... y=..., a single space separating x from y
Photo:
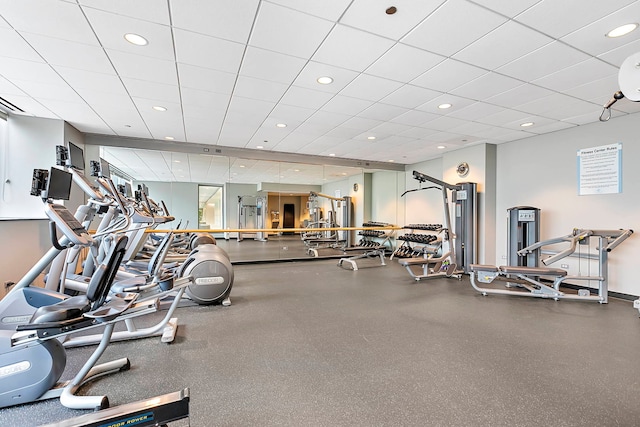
x=484 y=267
x=413 y=261
x=533 y=271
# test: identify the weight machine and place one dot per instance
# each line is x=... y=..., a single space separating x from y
x=454 y=252
x=333 y=239
x=525 y=281
x=251 y=214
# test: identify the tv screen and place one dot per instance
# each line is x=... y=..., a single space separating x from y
x=105 y=169
x=59 y=185
x=76 y=155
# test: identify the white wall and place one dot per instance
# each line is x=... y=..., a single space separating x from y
x=181 y=199
x=387 y=186
x=541 y=171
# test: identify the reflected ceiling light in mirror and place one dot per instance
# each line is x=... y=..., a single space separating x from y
x=259 y=147
x=371 y=138
x=441 y=147
x=325 y=80
x=391 y=161
x=242 y=166
x=622 y=30
x=444 y=106
x=281 y=125
x=527 y=124
x=332 y=154
x=169 y=138
x=296 y=170
x=159 y=108
x=136 y=39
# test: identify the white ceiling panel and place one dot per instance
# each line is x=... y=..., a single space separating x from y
x=287 y=31
x=202 y=130
x=290 y=114
x=414 y=118
x=382 y=112
x=11 y=68
x=165 y=93
x=31 y=106
x=55 y=19
x=418 y=132
x=303 y=97
x=415 y=62
x=346 y=105
x=448 y=75
x=457 y=103
x=475 y=111
x=597 y=90
x=206 y=79
x=7 y=88
x=14 y=46
x=208 y=52
x=262 y=90
x=328 y=9
x=69 y=54
x=518 y=95
x=308 y=77
x=351 y=49
x=577 y=75
x=486 y=86
x=271 y=66
x=509 y=8
x=144 y=67
x=248 y=111
x=226 y=20
x=592 y=39
x=617 y=56
x=204 y=99
x=111 y=28
x=471 y=22
x=409 y=96
x=546 y=60
x=445 y=123
x=503 y=45
x=370 y=16
x=560 y=18
x=370 y=88
x=47 y=91
x=149 y=10
x=559 y=106
x=89 y=80
x=362 y=123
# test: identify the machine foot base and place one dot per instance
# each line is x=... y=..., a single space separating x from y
x=169 y=333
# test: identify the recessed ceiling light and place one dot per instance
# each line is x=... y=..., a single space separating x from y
x=527 y=124
x=259 y=147
x=391 y=161
x=622 y=30
x=296 y=170
x=242 y=166
x=444 y=106
x=281 y=125
x=176 y=161
x=325 y=80
x=136 y=39
x=440 y=147
x=169 y=138
x=159 y=108
x=332 y=154
x=371 y=138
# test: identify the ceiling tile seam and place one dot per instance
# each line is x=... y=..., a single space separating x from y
x=235 y=81
x=175 y=55
x=86 y=6
x=116 y=73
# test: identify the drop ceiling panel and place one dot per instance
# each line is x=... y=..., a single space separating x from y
x=471 y=22
x=226 y=20
x=414 y=118
x=362 y=123
x=303 y=97
x=202 y=130
x=83 y=79
x=600 y=90
x=11 y=68
x=46 y=91
x=206 y=79
x=163 y=93
x=143 y=67
x=201 y=99
x=518 y=95
x=370 y=88
x=509 y=8
x=249 y=110
x=577 y=75
x=415 y=62
x=486 y=86
x=14 y=46
x=309 y=75
x=617 y=56
x=591 y=38
x=448 y=75
x=560 y=18
x=346 y=105
x=457 y=103
x=546 y=60
x=290 y=114
x=418 y=132
x=558 y=106
x=503 y=45
x=271 y=66
x=328 y=9
x=69 y=54
x=45 y=17
x=287 y=31
x=208 y=52
x=382 y=112
x=409 y=96
x=7 y=88
x=370 y=16
x=343 y=133
x=351 y=49
x=262 y=90
x=111 y=28
x=476 y=111
x=31 y=106
x=149 y=10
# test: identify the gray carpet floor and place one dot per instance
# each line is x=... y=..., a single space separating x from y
x=313 y=344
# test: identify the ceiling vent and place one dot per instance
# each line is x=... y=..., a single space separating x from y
x=8 y=106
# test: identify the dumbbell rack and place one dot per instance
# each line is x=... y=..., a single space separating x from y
x=368 y=246
x=418 y=244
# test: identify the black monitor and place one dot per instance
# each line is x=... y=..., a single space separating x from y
x=59 y=184
x=105 y=169
x=76 y=155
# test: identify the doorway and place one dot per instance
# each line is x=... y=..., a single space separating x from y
x=289 y=219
